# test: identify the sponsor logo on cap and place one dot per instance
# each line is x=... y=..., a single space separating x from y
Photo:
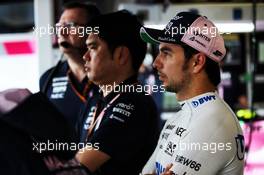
x=168 y=39
x=206 y=38
x=167 y=28
x=192 y=38
x=177 y=17
x=218 y=53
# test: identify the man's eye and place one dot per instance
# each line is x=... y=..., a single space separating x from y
x=66 y=25
x=165 y=53
x=70 y=24
x=91 y=47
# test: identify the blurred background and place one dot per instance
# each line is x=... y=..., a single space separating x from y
x=24 y=56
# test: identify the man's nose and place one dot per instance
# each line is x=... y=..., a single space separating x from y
x=63 y=31
x=86 y=56
x=157 y=63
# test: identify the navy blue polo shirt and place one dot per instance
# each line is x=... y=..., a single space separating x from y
x=66 y=93
x=128 y=130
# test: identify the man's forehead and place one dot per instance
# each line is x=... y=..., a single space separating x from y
x=169 y=45
x=92 y=38
x=73 y=15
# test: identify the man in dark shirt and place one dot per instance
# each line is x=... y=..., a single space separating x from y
x=66 y=84
x=123 y=126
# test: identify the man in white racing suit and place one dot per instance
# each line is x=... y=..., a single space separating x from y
x=204 y=136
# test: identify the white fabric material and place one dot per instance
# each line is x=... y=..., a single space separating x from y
x=203 y=138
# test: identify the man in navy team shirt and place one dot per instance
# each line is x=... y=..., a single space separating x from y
x=66 y=85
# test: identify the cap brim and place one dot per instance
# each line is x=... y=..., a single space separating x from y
x=150 y=35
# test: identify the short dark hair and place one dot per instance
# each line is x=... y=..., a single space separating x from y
x=122 y=28
x=90 y=8
x=212 y=68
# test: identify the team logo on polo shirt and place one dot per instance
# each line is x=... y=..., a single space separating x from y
x=89 y=118
x=59 y=87
x=122 y=111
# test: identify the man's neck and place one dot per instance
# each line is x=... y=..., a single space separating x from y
x=194 y=89
x=76 y=65
x=194 y=93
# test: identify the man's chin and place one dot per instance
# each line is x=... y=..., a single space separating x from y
x=165 y=86
x=91 y=78
x=169 y=88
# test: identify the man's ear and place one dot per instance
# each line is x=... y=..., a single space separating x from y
x=198 y=62
x=121 y=55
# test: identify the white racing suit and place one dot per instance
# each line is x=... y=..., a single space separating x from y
x=203 y=138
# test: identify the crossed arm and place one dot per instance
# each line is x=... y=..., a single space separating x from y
x=91 y=158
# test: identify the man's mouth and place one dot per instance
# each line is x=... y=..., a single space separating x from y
x=161 y=75
x=86 y=68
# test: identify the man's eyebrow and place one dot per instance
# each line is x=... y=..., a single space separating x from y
x=165 y=48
